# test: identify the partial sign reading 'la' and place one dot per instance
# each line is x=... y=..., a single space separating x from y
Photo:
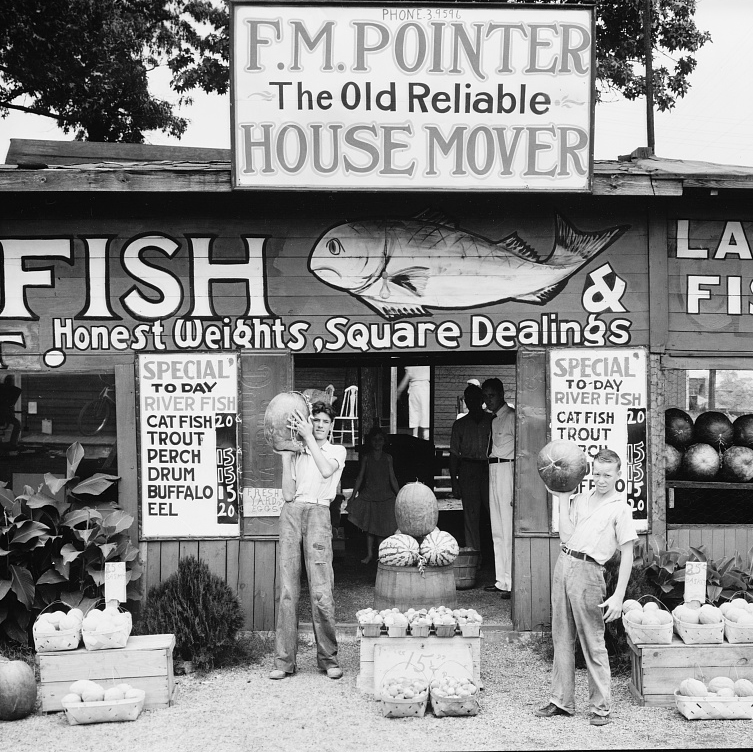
x=188 y=410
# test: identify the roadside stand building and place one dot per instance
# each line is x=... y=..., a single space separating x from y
x=153 y=300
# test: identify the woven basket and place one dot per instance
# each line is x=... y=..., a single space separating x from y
x=471 y=629
x=64 y=639
x=714 y=708
x=371 y=630
x=443 y=706
x=699 y=634
x=650 y=634
x=445 y=630
x=399 y=708
x=117 y=638
x=419 y=630
x=737 y=634
x=397 y=631
x=104 y=712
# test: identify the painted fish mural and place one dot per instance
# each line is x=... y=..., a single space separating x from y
x=402 y=268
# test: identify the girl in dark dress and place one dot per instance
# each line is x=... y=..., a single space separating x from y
x=372 y=505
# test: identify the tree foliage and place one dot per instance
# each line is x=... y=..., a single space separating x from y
x=85 y=63
x=620 y=53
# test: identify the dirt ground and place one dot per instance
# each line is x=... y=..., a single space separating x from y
x=241 y=710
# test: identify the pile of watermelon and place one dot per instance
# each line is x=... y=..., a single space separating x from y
x=437 y=549
x=711 y=448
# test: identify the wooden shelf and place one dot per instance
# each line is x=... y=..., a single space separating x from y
x=719 y=486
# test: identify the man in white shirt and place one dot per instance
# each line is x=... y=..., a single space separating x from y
x=501 y=473
x=309 y=484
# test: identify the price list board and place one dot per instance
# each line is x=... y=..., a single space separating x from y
x=188 y=453
x=598 y=399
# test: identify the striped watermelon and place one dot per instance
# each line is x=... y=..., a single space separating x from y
x=439 y=548
x=399 y=550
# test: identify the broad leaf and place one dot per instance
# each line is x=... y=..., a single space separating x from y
x=15 y=632
x=699 y=552
x=63 y=568
x=119 y=520
x=4 y=588
x=29 y=530
x=51 y=577
x=22 y=584
x=6 y=497
x=54 y=483
x=74 y=455
x=3 y=552
x=84 y=535
x=69 y=553
x=38 y=500
x=80 y=516
x=98 y=575
x=107 y=549
x=97 y=484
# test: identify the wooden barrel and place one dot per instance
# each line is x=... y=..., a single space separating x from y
x=464 y=568
x=406 y=587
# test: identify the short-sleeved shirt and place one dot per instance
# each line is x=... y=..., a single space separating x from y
x=470 y=440
x=600 y=533
x=503 y=433
x=310 y=485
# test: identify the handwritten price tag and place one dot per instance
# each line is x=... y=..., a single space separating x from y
x=115 y=581
x=695 y=581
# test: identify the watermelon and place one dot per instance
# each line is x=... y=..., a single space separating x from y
x=277 y=432
x=416 y=509
x=562 y=465
x=678 y=428
x=742 y=431
x=399 y=550
x=439 y=548
x=672 y=461
x=713 y=428
x=737 y=464
x=700 y=462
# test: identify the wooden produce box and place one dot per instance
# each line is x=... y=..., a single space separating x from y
x=146 y=662
x=424 y=653
x=657 y=670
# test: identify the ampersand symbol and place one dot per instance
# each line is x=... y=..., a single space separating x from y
x=603 y=291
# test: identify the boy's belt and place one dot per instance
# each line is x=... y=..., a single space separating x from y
x=493 y=460
x=579 y=555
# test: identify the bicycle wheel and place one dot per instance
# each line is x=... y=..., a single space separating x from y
x=93 y=416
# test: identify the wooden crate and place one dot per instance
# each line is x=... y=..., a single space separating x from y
x=657 y=670
x=145 y=662
x=413 y=649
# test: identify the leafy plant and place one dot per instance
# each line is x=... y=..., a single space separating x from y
x=664 y=566
x=199 y=609
x=55 y=549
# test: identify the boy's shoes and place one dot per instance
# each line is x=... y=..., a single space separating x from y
x=504 y=594
x=278 y=673
x=550 y=710
x=599 y=720
x=334 y=672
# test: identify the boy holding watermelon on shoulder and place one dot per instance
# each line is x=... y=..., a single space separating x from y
x=591 y=529
x=309 y=484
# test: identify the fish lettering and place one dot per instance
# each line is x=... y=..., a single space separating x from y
x=401 y=268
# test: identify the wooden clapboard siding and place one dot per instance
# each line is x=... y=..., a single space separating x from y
x=719 y=540
x=249 y=567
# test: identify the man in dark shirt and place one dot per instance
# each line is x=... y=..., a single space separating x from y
x=469 y=466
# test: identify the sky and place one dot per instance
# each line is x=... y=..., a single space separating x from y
x=711 y=124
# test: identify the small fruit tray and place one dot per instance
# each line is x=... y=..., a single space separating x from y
x=737 y=634
x=397 y=631
x=371 y=630
x=107 y=640
x=648 y=634
x=471 y=629
x=103 y=711
x=714 y=708
x=48 y=635
x=403 y=708
x=446 y=706
x=419 y=630
x=699 y=634
x=445 y=630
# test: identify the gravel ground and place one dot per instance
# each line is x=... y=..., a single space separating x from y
x=240 y=709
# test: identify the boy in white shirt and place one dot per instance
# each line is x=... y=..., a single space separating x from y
x=591 y=529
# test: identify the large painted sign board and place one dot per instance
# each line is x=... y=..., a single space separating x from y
x=402 y=96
